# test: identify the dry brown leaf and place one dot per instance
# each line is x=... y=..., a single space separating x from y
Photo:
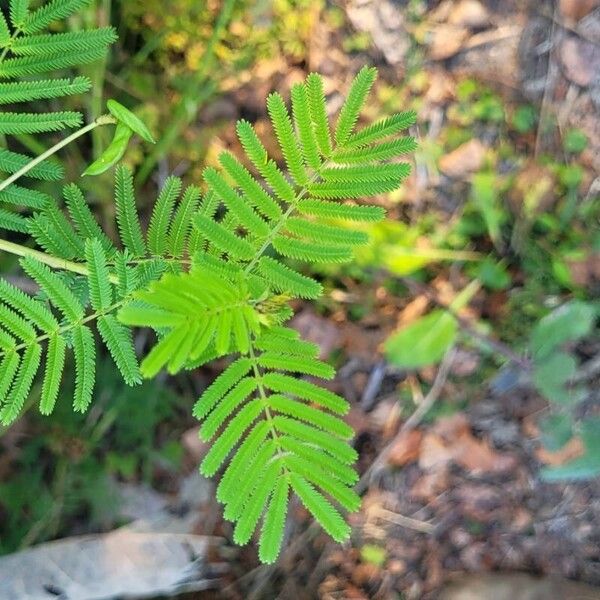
x=585 y=271
x=451 y=440
x=434 y=453
x=406 y=448
x=580 y=60
x=191 y=441
x=577 y=9
x=464 y=161
x=571 y=450
x=385 y=416
x=430 y=485
x=478 y=457
x=413 y=310
x=469 y=13
x=446 y=40
x=441 y=87
x=318 y=330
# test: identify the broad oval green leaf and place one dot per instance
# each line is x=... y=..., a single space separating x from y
x=423 y=342
x=124 y=115
x=552 y=375
x=113 y=153
x=569 y=322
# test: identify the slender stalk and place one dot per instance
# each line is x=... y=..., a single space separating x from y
x=102 y=120
x=291 y=208
x=51 y=261
x=265 y=402
x=65 y=328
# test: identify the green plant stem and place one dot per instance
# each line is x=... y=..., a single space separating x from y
x=51 y=261
x=265 y=401
x=65 y=328
x=291 y=208
x=102 y=120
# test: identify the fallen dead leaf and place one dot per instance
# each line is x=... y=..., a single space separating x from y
x=577 y=9
x=451 y=440
x=507 y=586
x=585 y=271
x=318 y=330
x=441 y=13
x=469 y=13
x=434 y=453
x=580 y=60
x=464 y=161
x=441 y=87
x=385 y=416
x=384 y=21
x=446 y=40
x=522 y=520
x=477 y=456
x=406 y=448
x=413 y=310
x=571 y=450
x=365 y=572
x=430 y=485
x=191 y=441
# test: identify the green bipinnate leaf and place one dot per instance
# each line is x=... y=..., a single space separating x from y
x=570 y=322
x=211 y=277
x=125 y=116
x=113 y=153
x=423 y=342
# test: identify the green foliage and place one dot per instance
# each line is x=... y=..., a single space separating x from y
x=210 y=278
x=423 y=342
x=126 y=117
x=575 y=141
x=113 y=153
x=24 y=53
x=524 y=118
x=570 y=322
x=554 y=371
x=484 y=198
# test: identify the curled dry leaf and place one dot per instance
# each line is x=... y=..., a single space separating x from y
x=469 y=13
x=406 y=448
x=577 y=9
x=571 y=450
x=452 y=440
x=464 y=161
x=446 y=41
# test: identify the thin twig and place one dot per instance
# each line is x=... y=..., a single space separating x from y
x=432 y=396
x=408 y=522
x=413 y=420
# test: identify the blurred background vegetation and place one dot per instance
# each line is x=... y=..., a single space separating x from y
x=491 y=250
